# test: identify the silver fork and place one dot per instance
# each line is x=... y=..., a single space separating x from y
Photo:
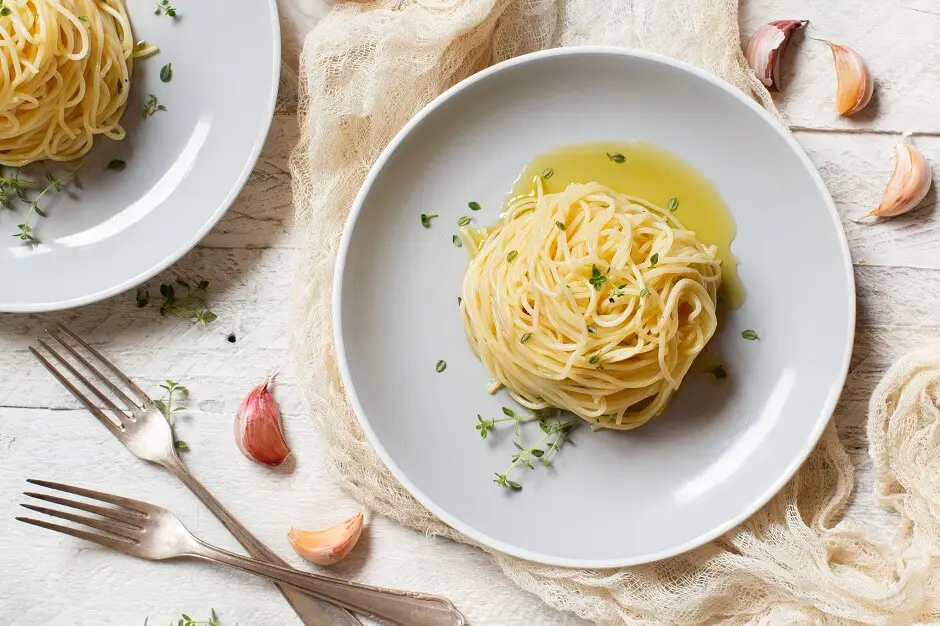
x=151 y=532
x=144 y=431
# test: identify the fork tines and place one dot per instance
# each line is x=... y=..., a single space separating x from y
x=123 y=521
x=80 y=367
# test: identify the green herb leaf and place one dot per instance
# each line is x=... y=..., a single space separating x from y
x=718 y=372
x=525 y=337
x=179 y=444
x=594 y=359
x=143 y=298
x=116 y=164
x=547 y=173
x=560 y=225
x=426 y=219
x=463 y=221
x=508 y=412
x=459 y=300
x=645 y=292
x=512 y=256
x=750 y=335
x=457 y=241
x=4 y=11
x=152 y=106
x=616 y=157
x=673 y=204
x=83 y=18
x=441 y=366
x=474 y=206
x=654 y=259
x=166 y=73
x=591 y=329
x=597 y=279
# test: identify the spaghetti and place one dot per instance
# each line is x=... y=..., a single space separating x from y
x=590 y=301
x=65 y=68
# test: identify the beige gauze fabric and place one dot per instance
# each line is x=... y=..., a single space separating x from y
x=366 y=69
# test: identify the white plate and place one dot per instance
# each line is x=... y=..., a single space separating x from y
x=185 y=166
x=614 y=499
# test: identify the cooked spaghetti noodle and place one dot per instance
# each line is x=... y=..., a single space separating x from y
x=590 y=301
x=65 y=68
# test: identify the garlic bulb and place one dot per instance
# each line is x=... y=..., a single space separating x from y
x=909 y=183
x=258 y=427
x=325 y=547
x=766 y=47
x=855 y=85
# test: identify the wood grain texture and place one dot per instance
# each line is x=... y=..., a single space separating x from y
x=248 y=259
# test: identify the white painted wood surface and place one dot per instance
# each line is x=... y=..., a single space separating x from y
x=249 y=256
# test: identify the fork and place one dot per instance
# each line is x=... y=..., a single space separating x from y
x=151 y=532
x=144 y=431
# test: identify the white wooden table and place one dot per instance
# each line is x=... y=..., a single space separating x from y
x=248 y=259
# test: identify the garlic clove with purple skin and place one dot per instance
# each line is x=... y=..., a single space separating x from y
x=258 y=430
x=909 y=183
x=766 y=48
x=855 y=85
x=325 y=547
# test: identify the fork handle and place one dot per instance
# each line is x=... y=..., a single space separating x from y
x=392 y=606
x=312 y=612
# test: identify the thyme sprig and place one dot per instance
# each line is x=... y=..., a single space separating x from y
x=164 y=8
x=555 y=433
x=169 y=409
x=17 y=186
x=190 y=304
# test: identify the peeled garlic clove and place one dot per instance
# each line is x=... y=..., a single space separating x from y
x=855 y=83
x=766 y=48
x=325 y=547
x=909 y=183
x=258 y=427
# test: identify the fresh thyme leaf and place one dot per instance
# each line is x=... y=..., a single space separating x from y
x=440 y=366
x=525 y=337
x=426 y=219
x=463 y=221
x=508 y=412
x=750 y=335
x=718 y=372
x=83 y=18
x=474 y=206
x=591 y=329
x=166 y=73
x=459 y=300
x=645 y=292
x=457 y=241
x=4 y=11
x=152 y=106
x=654 y=259
x=560 y=225
x=116 y=164
x=594 y=359
x=164 y=7
x=143 y=298
x=179 y=444
x=512 y=256
x=616 y=157
x=597 y=279
x=547 y=173
x=673 y=204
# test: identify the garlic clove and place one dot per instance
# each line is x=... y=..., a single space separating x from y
x=258 y=430
x=766 y=47
x=909 y=183
x=855 y=84
x=325 y=547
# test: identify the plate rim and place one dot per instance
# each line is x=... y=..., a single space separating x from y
x=211 y=220
x=481 y=539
